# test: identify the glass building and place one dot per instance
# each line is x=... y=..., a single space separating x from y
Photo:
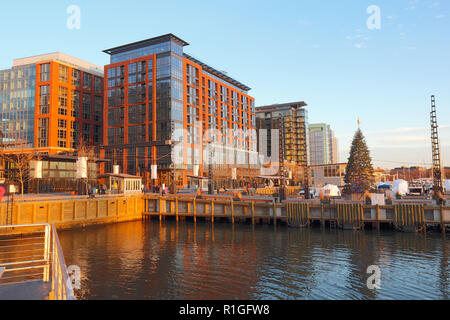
x=49 y=103
x=323 y=144
x=17 y=105
x=160 y=102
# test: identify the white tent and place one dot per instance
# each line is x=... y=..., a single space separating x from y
x=331 y=190
x=401 y=187
x=447 y=186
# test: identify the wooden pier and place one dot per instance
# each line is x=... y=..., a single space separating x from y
x=401 y=217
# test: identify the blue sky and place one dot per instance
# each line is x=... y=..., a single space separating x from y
x=318 y=51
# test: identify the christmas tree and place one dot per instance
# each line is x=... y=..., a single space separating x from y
x=359 y=174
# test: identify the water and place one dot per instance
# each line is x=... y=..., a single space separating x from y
x=149 y=260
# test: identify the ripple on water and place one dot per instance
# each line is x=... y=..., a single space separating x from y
x=134 y=260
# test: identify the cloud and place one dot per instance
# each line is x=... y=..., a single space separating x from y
x=441 y=16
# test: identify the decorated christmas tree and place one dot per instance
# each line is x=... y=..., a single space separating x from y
x=359 y=174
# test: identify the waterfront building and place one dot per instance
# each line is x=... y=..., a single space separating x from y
x=165 y=108
x=291 y=121
x=324 y=174
x=323 y=144
x=48 y=103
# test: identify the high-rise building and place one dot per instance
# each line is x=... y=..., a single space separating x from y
x=164 y=108
x=323 y=145
x=333 y=152
x=50 y=102
x=291 y=121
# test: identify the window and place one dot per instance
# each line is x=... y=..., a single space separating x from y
x=44 y=98
x=97 y=134
x=74 y=134
x=115 y=136
x=45 y=72
x=98 y=85
x=75 y=104
x=86 y=106
x=136 y=114
x=115 y=77
x=136 y=134
x=62 y=123
x=63 y=74
x=136 y=72
x=116 y=97
x=76 y=78
x=62 y=99
x=43 y=133
x=136 y=94
x=115 y=117
x=97 y=108
x=86 y=132
x=163 y=67
x=150 y=70
x=87 y=79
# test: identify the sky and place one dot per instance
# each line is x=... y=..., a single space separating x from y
x=322 y=52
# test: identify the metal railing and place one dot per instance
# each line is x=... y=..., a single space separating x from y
x=61 y=283
x=32 y=252
x=25 y=257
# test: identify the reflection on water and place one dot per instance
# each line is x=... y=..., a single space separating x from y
x=149 y=260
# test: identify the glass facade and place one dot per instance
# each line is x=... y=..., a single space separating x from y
x=17 y=104
x=130 y=117
x=147 y=51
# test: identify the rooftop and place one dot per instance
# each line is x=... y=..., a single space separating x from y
x=172 y=37
x=61 y=57
x=282 y=106
x=218 y=73
x=146 y=43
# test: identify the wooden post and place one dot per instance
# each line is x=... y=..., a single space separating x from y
x=232 y=211
x=74 y=210
x=442 y=218
x=195 y=210
x=176 y=208
x=160 y=209
x=97 y=209
x=253 y=212
x=378 y=217
x=322 y=214
x=212 y=211
x=274 y=213
x=61 y=212
x=322 y=217
x=86 y=210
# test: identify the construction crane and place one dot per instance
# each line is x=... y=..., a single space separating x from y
x=437 y=168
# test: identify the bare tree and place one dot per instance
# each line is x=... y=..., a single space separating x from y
x=85 y=149
x=19 y=162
